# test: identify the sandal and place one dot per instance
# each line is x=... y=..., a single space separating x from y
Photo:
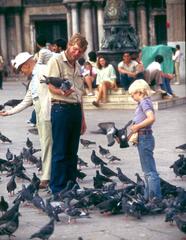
x=96 y=104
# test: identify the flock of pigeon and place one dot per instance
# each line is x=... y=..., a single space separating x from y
x=112 y=192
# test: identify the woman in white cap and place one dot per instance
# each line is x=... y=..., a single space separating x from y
x=143 y=119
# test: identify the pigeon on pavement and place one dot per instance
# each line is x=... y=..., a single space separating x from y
x=4 y=138
x=10 y=226
x=96 y=160
x=86 y=143
x=45 y=232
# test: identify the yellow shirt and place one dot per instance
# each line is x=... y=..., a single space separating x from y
x=58 y=66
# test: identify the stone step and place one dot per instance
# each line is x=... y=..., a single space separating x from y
x=119 y=98
x=130 y=104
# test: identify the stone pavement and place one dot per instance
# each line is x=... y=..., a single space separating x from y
x=169 y=131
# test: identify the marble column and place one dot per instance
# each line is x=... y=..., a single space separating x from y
x=75 y=18
x=100 y=22
x=18 y=33
x=143 y=24
x=69 y=22
x=132 y=15
x=3 y=39
x=88 y=26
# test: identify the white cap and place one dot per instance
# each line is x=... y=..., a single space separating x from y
x=20 y=59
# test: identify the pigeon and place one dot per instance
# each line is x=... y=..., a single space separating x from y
x=4 y=138
x=10 y=226
x=113 y=158
x=97 y=183
x=123 y=178
x=102 y=178
x=50 y=210
x=104 y=152
x=45 y=232
x=182 y=147
x=57 y=82
x=38 y=202
x=179 y=166
x=1 y=107
x=3 y=205
x=33 y=131
x=11 y=185
x=80 y=175
x=107 y=171
x=96 y=160
x=86 y=143
x=9 y=155
x=181 y=223
x=13 y=102
x=7 y=216
x=104 y=126
x=82 y=163
x=26 y=194
x=29 y=143
x=35 y=181
x=75 y=213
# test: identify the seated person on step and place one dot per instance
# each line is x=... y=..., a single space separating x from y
x=106 y=79
x=154 y=75
x=89 y=76
x=127 y=70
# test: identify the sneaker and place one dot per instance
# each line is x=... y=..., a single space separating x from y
x=167 y=97
x=96 y=104
x=90 y=94
x=176 y=83
x=161 y=91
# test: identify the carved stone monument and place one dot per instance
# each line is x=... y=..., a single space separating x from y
x=119 y=36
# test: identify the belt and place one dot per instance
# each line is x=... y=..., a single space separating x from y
x=144 y=132
x=60 y=102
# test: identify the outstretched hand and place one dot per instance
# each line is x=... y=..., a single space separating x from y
x=3 y=113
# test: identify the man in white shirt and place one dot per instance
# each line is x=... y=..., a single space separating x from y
x=127 y=70
x=154 y=75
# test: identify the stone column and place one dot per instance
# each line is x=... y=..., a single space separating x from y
x=100 y=22
x=69 y=22
x=3 y=39
x=142 y=23
x=88 y=28
x=132 y=15
x=75 y=18
x=18 y=33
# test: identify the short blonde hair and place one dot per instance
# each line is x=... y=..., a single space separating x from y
x=141 y=86
x=78 y=39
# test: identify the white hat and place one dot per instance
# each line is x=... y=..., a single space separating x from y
x=20 y=59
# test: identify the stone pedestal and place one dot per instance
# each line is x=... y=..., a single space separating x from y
x=119 y=36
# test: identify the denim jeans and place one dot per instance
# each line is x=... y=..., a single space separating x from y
x=126 y=81
x=66 y=127
x=166 y=86
x=145 y=146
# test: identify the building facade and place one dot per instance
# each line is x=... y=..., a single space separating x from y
x=155 y=21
